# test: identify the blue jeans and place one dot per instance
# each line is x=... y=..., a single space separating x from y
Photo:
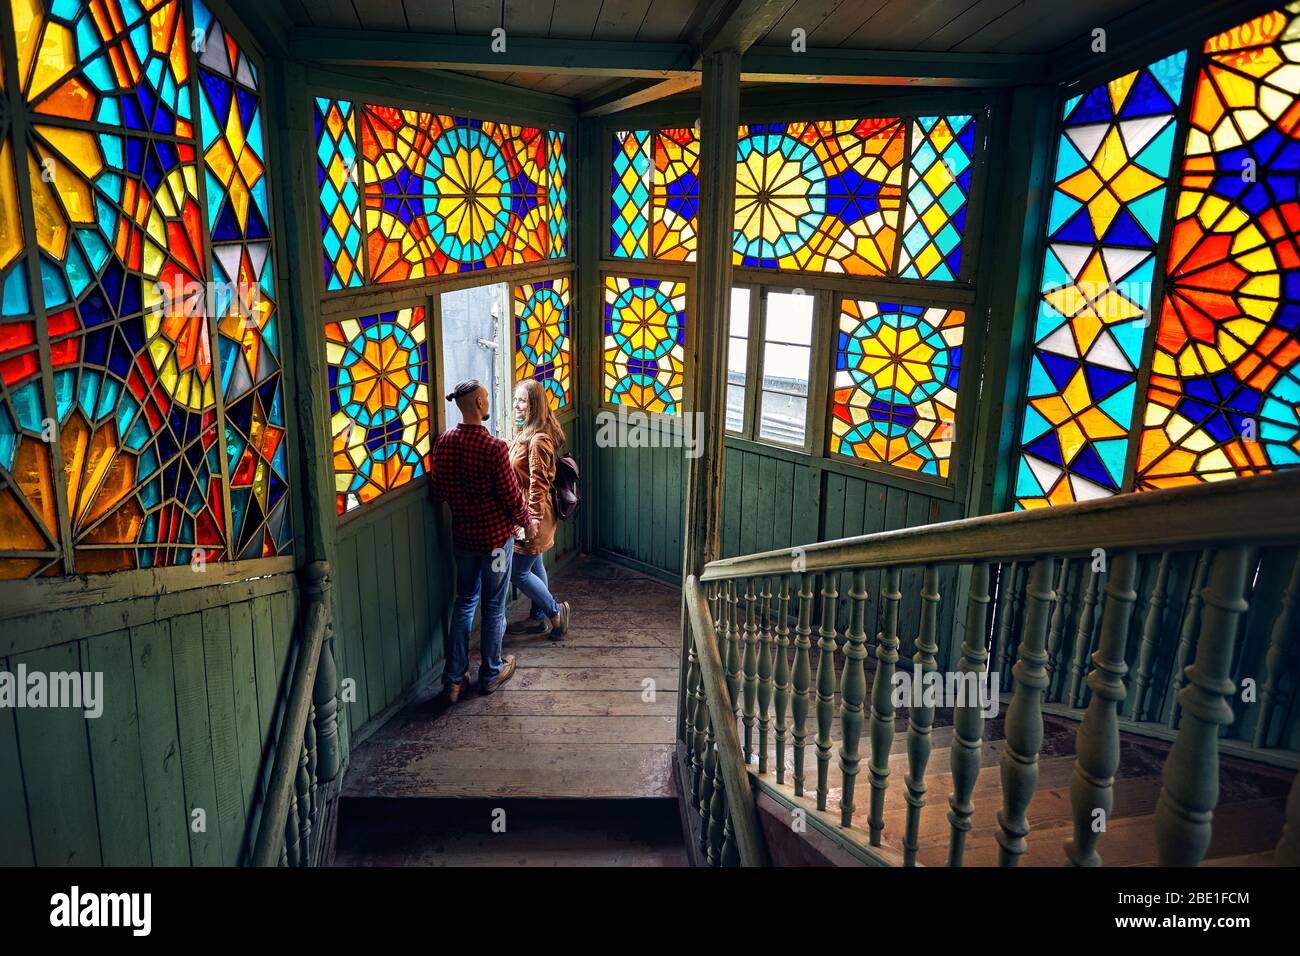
x=528 y=574
x=475 y=575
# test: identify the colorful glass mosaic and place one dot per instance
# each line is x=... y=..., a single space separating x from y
x=337 y=180
x=896 y=377
x=934 y=218
x=1104 y=223
x=1224 y=392
x=243 y=281
x=645 y=343
x=542 y=337
x=819 y=197
x=824 y=196
x=655 y=194
x=379 y=400
x=445 y=194
x=557 y=193
x=153 y=424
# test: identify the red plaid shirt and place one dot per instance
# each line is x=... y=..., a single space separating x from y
x=472 y=473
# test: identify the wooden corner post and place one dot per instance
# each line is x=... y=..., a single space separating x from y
x=719 y=120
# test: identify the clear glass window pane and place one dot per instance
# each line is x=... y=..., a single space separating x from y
x=740 y=312
x=789 y=318
x=735 y=408
x=783 y=417
x=785 y=368
x=737 y=360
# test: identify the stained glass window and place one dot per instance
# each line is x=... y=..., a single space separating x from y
x=542 y=337
x=445 y=194
x=1104 y=223
x=824 y=196
x=645 y=343
x=144 y=150
x=934 y=218
x=896 y=376
x=819 y=197
x=379 y=402
x=655 y=194
x=1224 y=393
x=337 y=179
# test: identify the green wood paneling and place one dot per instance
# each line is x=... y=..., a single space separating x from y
x=115 y=754
x=15 y=835
x=231 y=813
x=55 y=752
x=243 y=675
x=160 y=747
x=196 y=739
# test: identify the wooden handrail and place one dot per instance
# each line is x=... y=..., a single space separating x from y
x=289 y=746
x=735 y=777
x=1263 y=510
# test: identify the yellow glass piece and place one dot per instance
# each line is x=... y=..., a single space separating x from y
x=11 y=226
x=51 y=227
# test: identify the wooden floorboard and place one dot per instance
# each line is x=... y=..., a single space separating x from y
x=588 y=716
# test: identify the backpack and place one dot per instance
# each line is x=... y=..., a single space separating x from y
x=565 y=492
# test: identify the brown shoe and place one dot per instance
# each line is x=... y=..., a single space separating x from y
x=454 y=692
x=560 y=623
x=507 y=672
x=527 y=626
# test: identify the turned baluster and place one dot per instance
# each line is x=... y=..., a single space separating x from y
x=309 y=737
x=853 y=692
x=304 y=811
x=1008 y=608
x=882 y=701
x=1147 y=650
x=717 y=816
x=801 y=679
x=920 y=711
x=764 y=673
x=782 y=676
x=750 y=717
x=694 y=732
x=1187 y=634
x=1275 y=659
x=1288 y=848
x=1024 y=723
x=1083 y=640
x=968 y=718
x=1097 y=740
x=1056 y=630
x=707 y=770
x=292 y=833
x=730 y=852
x=1191 y=774
x=825 y=686
x=733 y=645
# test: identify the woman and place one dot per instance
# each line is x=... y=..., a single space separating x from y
x=537 y=443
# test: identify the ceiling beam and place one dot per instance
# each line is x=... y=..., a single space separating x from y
x=628 y=95
x=521 y=54
x=742 y=23
x=890 y=67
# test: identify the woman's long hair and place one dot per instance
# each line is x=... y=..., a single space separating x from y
x=539 y=417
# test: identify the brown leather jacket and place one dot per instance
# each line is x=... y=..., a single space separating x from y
x=534 y=464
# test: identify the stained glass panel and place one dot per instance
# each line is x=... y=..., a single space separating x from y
x=337 y=180
x=934 y=219
x=557 y=193
x=1104 y=223
x=1224 y=393
x=645 y=343
x=379 y=400
x=143 y=151
x=655 y=194
x=819 y=197
x=446 y=194
x=896 y=377
x=542 y=337
x=243 y=298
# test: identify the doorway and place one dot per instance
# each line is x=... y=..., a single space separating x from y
x=476 y=339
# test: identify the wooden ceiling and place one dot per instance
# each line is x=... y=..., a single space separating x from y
x=936 y=26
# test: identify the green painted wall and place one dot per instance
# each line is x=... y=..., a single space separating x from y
x=192 y=703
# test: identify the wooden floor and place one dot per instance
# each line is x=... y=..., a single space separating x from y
x=576 y=721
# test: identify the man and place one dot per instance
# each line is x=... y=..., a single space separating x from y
x=472 y=473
